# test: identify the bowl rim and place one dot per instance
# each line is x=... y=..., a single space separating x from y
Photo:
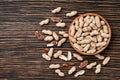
x=107 y=24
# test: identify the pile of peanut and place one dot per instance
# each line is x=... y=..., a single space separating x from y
x=89 y=34
x=54 y=39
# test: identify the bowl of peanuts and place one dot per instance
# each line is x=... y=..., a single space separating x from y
x=89 y=34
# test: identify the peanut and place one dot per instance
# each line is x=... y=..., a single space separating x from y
x=86 y=47
x=91 y=51
x=72 y=39
x=61 y=41
x=105 y=30
x=56 y=37
x=99 y=38
x=63 y=57
x=81 y=23
x=93 y=45
x=97 y=21
x=94 y=32
x=77 y=56
x=61 y=74
x=50 y=44
x=50 y=52
x=49 y=32
x=80 y=38
x=105 y=35
x=100 y=44
x=102 y=23
x=78 y=46
x=72 y=69
x=56 y=10
x=106 y=60
x=85 y=41
x=62 y=32
x=43 y=22
x=76 y=24
x=48 y=38
x=46 y=57
x=60 y=24
x=93 y=26
x=56 y=19
x=85 y=34
x=81 y=72
x=72 y=29
x=69 y=55
x=85 y=29
x=89 y=66
x=99 y=56
x=57 y=54
x=54 y=66
x=86 y=18
x=98 y=69
x=72 y=13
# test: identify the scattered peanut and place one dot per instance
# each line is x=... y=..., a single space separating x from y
x=65 y=65
x=54 y=66
x=77 y=56
x=83 y=64
x=98 y=69
x=56 y=19
x=48 y=38
x=60 y=24
x=72 y=69
x=56 y=10
x=63 y=33
x=56 y=37
x=81 y=72
x=72 y=13
x=46 y=57
x=50 y=52
x=43 y=22
x=91 y=65
x=63 y=57
x=99 y=56
x=57 y=54
x=49 y=32
x=60 y=42
x=69 y=55
x=106 y=60
x=50 y=44
x=61 y=74
x=39 y=36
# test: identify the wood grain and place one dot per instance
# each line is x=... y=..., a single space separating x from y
x=20 y=50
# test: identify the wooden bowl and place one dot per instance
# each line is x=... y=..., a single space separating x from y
x=109 y=29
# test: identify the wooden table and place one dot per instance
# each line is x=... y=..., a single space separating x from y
x=20 y=50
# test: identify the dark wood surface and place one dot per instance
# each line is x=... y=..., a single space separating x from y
x=20 y=50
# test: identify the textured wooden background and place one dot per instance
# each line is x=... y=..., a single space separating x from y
x=20 y=50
